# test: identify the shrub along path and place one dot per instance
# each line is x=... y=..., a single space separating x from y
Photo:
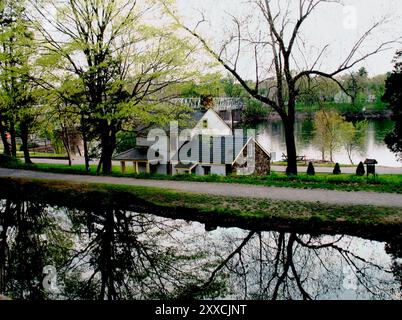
x=349 y=170
x=227 y=189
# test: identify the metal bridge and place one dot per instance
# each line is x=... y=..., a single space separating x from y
x=219 y=104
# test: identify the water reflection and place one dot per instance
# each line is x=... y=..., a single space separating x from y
x=272 y=135
x=115 y=254
x=29 y=240
x=290 y=266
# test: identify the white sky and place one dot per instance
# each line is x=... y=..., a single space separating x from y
x=326 y=26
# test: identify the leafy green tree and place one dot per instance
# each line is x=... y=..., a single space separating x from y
x=68 y=114
x=353 y=136
x=232 y=88
x=123 y=63
x=254 y=111
x=355 y=84
x=393 y=96
x=210 y=84
x=19 y=94
x=327 y=133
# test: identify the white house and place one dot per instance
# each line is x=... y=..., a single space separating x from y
x=212 y=124
x=209 y=148
x=342 y=97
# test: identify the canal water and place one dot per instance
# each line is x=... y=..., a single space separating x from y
x=272 y=136
x=50 y=252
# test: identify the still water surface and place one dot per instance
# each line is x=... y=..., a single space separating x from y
x=116 y=254
x=272 y=136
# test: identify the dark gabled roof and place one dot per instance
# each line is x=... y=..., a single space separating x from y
x=370 y=161
x=144 y=142
x=213 y=149
x=185 y=166
x=197 y=116
x=136 y=154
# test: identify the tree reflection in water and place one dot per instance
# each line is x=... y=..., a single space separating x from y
x=115 y=254
x=29 y=240
x=101 y=254
x=275 y=265
x=132 y=256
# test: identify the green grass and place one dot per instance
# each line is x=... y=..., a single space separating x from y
x=258 y=214
x=346 y=182
x=20 y=154
x=44 y=154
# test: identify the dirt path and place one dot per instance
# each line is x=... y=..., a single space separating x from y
x=236 y=190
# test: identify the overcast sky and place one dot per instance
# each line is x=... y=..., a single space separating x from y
x=330 y=24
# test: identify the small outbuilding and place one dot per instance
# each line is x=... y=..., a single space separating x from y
x=138 y=157
x=370 y=164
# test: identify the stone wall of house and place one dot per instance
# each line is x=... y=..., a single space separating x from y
x=262 y=161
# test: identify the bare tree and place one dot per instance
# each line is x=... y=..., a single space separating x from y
x=275 y=43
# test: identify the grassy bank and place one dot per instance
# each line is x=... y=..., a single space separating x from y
x=256 y=214
x=345 y=182
x=20 y=154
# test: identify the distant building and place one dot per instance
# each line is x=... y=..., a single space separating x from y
x=210 y=123
x=342 y=97
x=371 y=98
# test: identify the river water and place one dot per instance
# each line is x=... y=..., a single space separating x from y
x=272 y=136
x=115 y=254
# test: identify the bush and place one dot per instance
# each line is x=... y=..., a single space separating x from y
x=337 y=169
x=254 y=111
x=125 y=141
x=33 y=145
x=310 y=169
x=7 y=161
x=360 y=169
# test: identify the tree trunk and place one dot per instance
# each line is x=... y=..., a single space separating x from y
x=353 y=98
x=349 y=150
x=6 y=146
x=106 y=258
x=290 y=147
x=4 y=256
x=24 y=138
x=108 y=144
x=86 y=155
x=85 y=142
x=66 y=143
x=98 y=169
x=13 y=140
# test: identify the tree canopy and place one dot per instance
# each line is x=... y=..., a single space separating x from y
x=393 y=96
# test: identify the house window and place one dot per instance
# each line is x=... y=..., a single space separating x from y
x=205 y=124
x=207 y=170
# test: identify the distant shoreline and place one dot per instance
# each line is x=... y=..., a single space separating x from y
x=371 y=115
